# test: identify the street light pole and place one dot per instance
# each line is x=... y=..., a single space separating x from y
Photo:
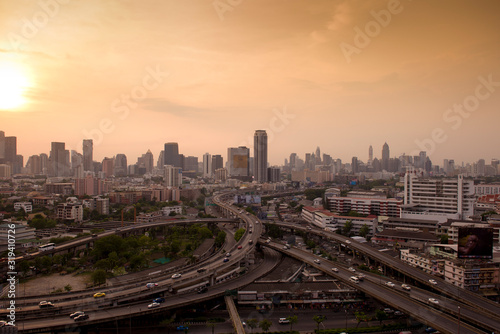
x=458 y=331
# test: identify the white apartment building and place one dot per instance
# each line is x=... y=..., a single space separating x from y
x=167 y=210
x=173 y=176
x=367 y=206
x=437 y=199
x=67 y=211
x=423 y=262
x=487 y=189
x=329 y=221
x=26 y=206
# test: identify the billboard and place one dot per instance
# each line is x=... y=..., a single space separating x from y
x=475 y=243
x=247 y=199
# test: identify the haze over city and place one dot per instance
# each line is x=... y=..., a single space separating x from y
x=342 y=75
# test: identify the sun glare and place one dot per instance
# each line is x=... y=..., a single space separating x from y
x=13 y=83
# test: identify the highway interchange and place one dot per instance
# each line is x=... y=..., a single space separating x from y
x=130 y=300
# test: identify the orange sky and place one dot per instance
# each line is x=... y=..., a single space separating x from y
x=207 y=74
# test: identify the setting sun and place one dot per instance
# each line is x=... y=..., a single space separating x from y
x=13 y=83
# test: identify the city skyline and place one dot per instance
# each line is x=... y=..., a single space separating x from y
x=339 y=75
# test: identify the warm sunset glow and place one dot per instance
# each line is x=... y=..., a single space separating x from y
x=13 y=83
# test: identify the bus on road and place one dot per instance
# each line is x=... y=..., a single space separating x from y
x=46 y=247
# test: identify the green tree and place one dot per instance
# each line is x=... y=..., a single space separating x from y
x=444 y=239
x=99 y=277
x=238 y=234
x=252 y=323
x=220 y=239
x=293 y=320
x=68 y=288
x=319 y=319
x=381 y=316
x=360 y=317
x=347 y=228
x=265 y=324
x=364 y=230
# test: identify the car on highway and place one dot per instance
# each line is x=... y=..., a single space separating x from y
x=81 y=317
x=398 y=313
x=388 y=310
x=406 y=287
x=240 y=247
x=182 y=328
x=151 y=285
x=228 y=254
x=433 y=301
x=225 y=260
x=348 y=241
x=99 y=294
x=286 y=247
x=352 y=269
x=200 y=270
x=159 y=300
x=153 y=305
x=202 y=290
x=390 y=284
x=433 y=281
x=284 y=321
x=317 y=261
x=76 y=314
x=174 y=276
x=430 y=330
x=45 y=304
x=335 y=269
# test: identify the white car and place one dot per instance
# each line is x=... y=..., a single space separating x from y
x=434 y=300
x=406 y=287
x=335 y=270
x=352 y=269
x=433 y=281
x=284 y=321
x=317 y=261
x=348 y=241
x=390 y=284
x=153 y=305
x=176 y=276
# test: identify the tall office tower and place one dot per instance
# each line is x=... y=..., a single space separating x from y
x=437 y=199
x=191 y=164
x=76 y=164
x=445 y=166
x=18 y=163
x=44 y=162
x=308 y=160
x=171 y=155
x=217 y=163
x=385 y=157
x=34 y=165
x=146 y=161
x=120 y=167
x=108 y=167
x=355 y=165
x=494 y=164
x=260 y=156
x=423 y=159
x=377 y=166
x=88 y=154
x=370 y=155
x=10 y=150
x=207 y=165
x=173 y=176
x=58 y=160
x=327 y=159
x=238 y=162
x=318 y=156
x=161 y=160
x=273 y=174
x=481 y=167
x=293 y=160
x=2 y=146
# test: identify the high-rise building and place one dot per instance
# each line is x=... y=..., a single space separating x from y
x=370 y=155
x=88 y=154
x=238 y=162
x=76 y=164
x=217 y=163
x=273 y=174
x=10 y=153
x=120 y=166
x=260 y=156
x=191 y=164
x=317 y=156
x=293 y=161
x=146 y=161
x=171 y=155
x=34 y=165
x=59 y=160
x=108 y=167
x=207 y=165
x=355 y=165
x=385 y=157
x=2 y=146
x=173 y=176
x=161 y=159
x=437 y=199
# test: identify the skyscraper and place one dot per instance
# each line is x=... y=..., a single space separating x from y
x=239 y=162
x=260 y=156
x=171 y=155
x=385 y=157
x=370 y=155
x=120 y=166
x=58 y=160
x=2 y=146
x=207 y=165
x=293 y=159
x=217 y=163
x=88 y=154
